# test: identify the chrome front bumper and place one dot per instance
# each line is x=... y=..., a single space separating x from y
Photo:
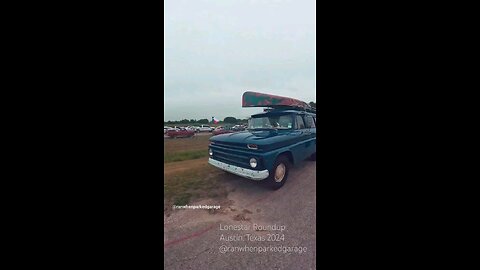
x=247 y=173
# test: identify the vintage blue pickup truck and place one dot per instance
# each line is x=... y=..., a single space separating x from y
x=275 y=140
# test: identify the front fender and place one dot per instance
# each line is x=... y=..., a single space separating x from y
x=296 y=150
x=271 y=156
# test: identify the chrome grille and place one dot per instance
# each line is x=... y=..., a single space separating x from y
x=227 y=155
x=240 y=146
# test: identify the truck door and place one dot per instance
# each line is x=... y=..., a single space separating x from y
x=304 y=134
x=312 y=134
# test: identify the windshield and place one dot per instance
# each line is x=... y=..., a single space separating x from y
x=271 y=122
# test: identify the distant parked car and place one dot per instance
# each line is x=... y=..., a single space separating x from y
x=223 y=130
x=203 y=128
x=238 y=128
x=195 y=128
x=165 y=129
x=180 y=133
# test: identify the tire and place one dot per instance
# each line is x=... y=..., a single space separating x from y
x=313 y=157
x=272 y=181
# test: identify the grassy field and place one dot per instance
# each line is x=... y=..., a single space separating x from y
x=187 y=173
x=185 y=148
x=196 y=181
x=186 y=155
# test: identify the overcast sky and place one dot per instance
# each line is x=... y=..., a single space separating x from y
x=217 y=49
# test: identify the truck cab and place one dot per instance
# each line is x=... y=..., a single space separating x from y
x=274 y=141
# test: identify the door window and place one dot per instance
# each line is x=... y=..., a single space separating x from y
x=299 y=122
x=309 y=123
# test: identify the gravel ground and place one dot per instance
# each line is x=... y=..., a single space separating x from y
x=193 y=238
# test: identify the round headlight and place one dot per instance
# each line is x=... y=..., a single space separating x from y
x=253 y=162
x=210 y=152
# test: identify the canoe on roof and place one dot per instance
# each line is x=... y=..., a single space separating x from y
x=255 y=99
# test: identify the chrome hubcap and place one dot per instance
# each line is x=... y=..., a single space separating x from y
x=280 y=172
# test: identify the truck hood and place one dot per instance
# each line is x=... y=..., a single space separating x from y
x=263 y=137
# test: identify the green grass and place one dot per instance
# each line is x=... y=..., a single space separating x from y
x=182 y=199
x=181 y=188
x=187 y=155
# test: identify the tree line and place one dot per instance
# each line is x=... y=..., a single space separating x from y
x=228 y=119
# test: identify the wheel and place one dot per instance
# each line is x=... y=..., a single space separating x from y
x=279 y=174
x=313 y=157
